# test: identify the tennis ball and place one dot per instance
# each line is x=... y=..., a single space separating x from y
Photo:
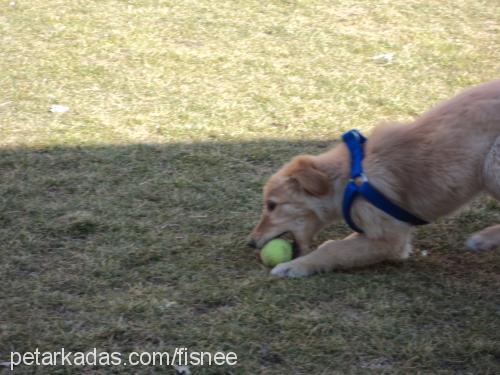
x=275 y=252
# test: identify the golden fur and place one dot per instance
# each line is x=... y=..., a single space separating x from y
x=430 y=167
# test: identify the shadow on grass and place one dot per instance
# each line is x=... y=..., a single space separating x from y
x=141 y=247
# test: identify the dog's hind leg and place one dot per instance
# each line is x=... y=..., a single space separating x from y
x=489 y=238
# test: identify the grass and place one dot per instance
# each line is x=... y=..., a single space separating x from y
x=122 y=221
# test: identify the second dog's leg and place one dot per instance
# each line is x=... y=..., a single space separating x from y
x=354 y=251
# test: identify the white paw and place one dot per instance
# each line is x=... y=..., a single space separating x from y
x=291 y=269
x=478 y=242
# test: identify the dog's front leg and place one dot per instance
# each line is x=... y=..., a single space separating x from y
x=354 y=251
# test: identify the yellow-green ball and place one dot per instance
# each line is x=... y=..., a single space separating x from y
x=275 y=252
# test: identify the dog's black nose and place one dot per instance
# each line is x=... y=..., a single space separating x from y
x=251 y=242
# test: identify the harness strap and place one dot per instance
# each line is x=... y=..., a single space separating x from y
x=359 y=185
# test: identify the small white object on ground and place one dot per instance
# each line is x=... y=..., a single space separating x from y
x=383 y=58
x=182 y=370
x=424 y=253
x=168 y=304
x=58 y=108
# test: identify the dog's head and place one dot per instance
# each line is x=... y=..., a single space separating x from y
x=293 y=203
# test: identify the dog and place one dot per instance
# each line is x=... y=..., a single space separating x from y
x=430 y=167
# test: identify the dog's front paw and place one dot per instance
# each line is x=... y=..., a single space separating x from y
x=293 y=268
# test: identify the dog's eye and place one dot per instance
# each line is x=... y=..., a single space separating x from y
x=271 y=205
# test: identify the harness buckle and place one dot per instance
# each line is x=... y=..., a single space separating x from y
x=359 y=180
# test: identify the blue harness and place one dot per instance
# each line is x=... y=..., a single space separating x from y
x=359 y=185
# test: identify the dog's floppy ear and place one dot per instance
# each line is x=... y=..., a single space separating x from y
x=308 y=177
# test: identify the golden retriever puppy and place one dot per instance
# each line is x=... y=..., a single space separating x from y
x=430 y=167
